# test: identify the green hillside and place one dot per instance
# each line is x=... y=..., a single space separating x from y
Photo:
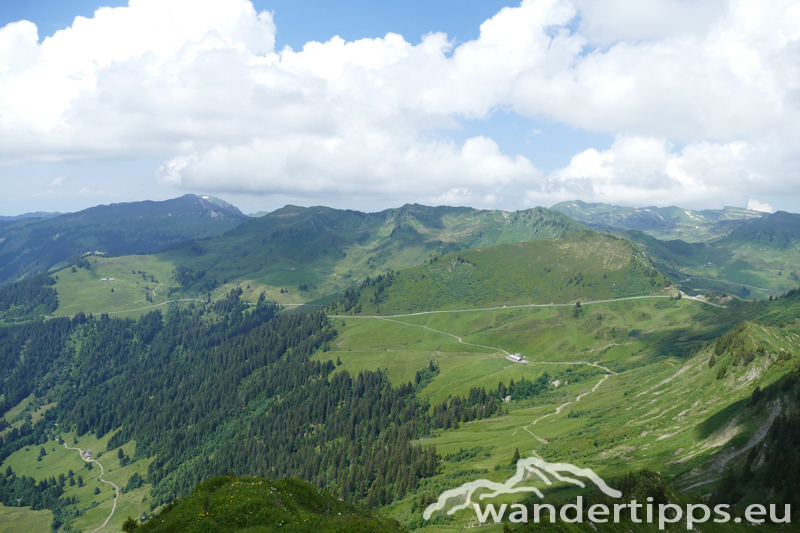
x=405 y=390
x=388 y=412
x=257 y=504
x=759 y=259
x=586 y=266
x=33 y=245
x=28 y=299
x=297 y=255
x=325 y=249
x=667 y=406
x=735 y=251
x=166 y=403
x=661 y=222
x=780 y=230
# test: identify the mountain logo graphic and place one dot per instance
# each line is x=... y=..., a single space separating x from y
x=530 y=472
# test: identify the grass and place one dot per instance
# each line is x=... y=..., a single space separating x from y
x=298 y=255
x=725 y=265
x=664 y=410
x=23 y=520
x=586 y=266
x=15 y=413
x=134 y=279
x=257 y=504
x=96 y=508
x=549 y=334
x=644 y=418
x=30 y=406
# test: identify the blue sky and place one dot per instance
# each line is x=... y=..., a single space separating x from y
x=301 y=21
x=550 y=100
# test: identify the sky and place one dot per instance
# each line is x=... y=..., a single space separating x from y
x=369 y=105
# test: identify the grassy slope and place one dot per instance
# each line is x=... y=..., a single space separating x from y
x=30 y=246
x=665 y=413
x=587 y=266
x=133 y=275
x=713 y=250
x=257 y=504
x=669 y=414
x=763 y=253
x=725 y=266
x=661 y=222
x=23 y=520
x=628 y=411
x=96 y=508
x=326 y=250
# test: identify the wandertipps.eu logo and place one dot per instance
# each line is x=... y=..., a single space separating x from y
x=535 y=474
x=532 y=475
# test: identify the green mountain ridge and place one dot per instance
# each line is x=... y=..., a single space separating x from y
x=388 y=412
x=391 y=399
x=758 y=259
x=31 y=246
x=777 y=230
x=585 y=266
x=299 y=255
x=661 y=222
x=35 y=214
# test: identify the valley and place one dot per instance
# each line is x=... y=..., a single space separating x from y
x=269 y=266
x=630 y=413
x=383 y=371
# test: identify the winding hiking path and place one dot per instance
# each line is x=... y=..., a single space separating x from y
x=578 y=398
x=388 y=318
x=100 y=477
x=462 y=341
x=560 y=408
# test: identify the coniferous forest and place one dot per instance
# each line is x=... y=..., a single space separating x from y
x=219 y=389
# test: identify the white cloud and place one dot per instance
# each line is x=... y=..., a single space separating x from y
x=755 y=205
x=199 y=84
x=362 y=162
x=607 y=22
x=640 y=170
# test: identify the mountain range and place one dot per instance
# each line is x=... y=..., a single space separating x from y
x=386 y=358
x=31 y=245
x=661 y=222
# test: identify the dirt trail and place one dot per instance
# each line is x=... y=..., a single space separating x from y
x=494 y=348
x=522 y=306
x=100 y=477
x=444 y=333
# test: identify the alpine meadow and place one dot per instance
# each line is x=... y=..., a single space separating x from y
x=272 y=266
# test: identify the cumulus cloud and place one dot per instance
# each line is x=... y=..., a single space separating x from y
x=755 y=205
x=702 y=99
x=364 y=164
x=640 y=170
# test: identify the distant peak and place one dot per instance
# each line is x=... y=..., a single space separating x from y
x=207 y=200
